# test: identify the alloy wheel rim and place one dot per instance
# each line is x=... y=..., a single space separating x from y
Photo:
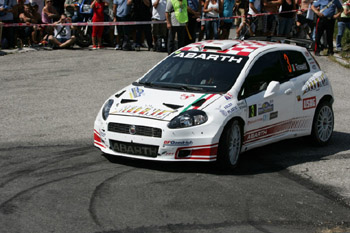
x=324 y=123
x=235 y=143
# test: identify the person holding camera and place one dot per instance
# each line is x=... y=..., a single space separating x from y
x=63 y=37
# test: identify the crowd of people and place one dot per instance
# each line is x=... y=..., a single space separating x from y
x=175 y=23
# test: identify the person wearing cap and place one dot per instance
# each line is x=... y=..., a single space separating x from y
x=326 y=13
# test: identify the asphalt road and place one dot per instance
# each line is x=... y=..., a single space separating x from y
x=52 y=179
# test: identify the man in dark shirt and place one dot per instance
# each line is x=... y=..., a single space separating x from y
x=326 y=12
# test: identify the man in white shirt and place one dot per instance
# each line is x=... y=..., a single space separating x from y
x=158 y=14
x=63 y=34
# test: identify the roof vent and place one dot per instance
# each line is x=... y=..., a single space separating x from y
x=220 y=45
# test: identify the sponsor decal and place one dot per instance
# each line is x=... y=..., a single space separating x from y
x=228 y=109
x=291 y=125
x=208 y=56
x=307 y=54
x=186 y=96
x=265 y=107
x=314 y=67
x=148 y=111
x=228 y=96
x=309 y=103
x=252 y=111
x=273 y=115
x=301 y=67
x=257 y=134
x=136 y=92
x=315 y=83
x=254 y=121
x=265 y=117
x=177 y=143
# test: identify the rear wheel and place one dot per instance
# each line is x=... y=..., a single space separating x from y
x=323 y=124
x=230 y=145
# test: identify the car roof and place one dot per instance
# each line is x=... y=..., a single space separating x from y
x=233 y=47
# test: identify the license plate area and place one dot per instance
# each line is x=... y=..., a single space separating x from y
x=134 y=148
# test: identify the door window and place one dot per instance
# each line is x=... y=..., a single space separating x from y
x=266 y=69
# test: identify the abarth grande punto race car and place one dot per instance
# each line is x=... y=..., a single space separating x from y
x=212 y=100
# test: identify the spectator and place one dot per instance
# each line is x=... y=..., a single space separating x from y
x=49 y=13
x=6 y=16
x=142 y=12
x=203 y=16
x=176 y=18
x=213 y=9
x=39 y=3
x=241 y=9
x=37 y=33
x=63 y=37
x=304 y=18
x=98 y=16
x=325 y=10
x=121 y=13
x=71 y=10
x=270 y=21
x=255 y=8
x=194 y=12
x=158 y=14
x=244 y=30
x=226 y=24
x=343 y=22
x=27 y=33
x=286 y=20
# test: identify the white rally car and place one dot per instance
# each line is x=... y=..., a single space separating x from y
x=212 y=100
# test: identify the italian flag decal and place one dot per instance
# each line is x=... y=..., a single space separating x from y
x=205 y=96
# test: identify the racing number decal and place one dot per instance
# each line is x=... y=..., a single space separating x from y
x=288 y=63
x=252 y=111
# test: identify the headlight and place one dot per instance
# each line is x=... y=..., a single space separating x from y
x=187 y=119
x=106 y=108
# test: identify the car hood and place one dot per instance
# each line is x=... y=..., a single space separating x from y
x=158 y=104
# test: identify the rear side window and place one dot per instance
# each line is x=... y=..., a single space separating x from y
x=295 y=63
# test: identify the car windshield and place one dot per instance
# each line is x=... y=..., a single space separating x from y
x=195 y=71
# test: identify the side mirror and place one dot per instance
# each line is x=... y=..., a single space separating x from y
x=272 y=89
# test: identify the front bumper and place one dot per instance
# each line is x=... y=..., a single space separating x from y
x=198 y=143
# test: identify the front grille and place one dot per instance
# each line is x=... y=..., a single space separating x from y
x=139 y=130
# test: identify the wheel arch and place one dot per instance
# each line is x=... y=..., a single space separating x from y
x=326 y=98
x=228 y=123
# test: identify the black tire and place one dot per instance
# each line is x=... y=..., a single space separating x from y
x=230 y=145
x=323 y=124
x=83 y=39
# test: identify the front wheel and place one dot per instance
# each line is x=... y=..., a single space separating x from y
x=323 y=124
x=230 y=145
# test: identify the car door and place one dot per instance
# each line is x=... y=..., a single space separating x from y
x=270 y=99
x=298 y=70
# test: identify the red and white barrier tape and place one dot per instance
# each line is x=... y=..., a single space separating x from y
x=131 y=22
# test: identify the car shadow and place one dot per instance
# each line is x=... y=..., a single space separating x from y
x=271 y=158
